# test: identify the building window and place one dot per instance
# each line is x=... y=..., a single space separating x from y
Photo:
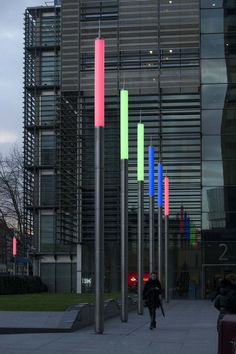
x=50 y=31
x=48 y=149
x=49 y=69
x=47 y=232
x=48 y=109
x=48 y=190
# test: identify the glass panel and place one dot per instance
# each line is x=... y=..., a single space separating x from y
x=47 y=190
x=211 y=147
x=213 y=96
x=211 y=121
x=212 y=46
x=231 y=68
x=47 y=274
x=218 y=122
x=212 y=21
x=64 y=277
x=48 y=109
x=50 y=31
x=212 y=173
x=213 y=200
x=228 y=143
x=48 y=149
x=47 y=231
x=230 y=44
x=219 y=199
x=49 y=70
x=221 y=220
x=214 y=71
x=229 y=20
x=211 y=3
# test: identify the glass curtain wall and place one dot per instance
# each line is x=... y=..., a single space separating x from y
x=218 y=76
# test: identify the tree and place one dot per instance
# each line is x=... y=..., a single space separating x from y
x=11 y=190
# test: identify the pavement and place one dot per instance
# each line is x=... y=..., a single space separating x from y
x=188 y=328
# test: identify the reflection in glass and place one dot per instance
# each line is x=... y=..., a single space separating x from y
x=211 y=147
x=212 y=173
x=230 y=44
x=229 y=20
x=219 y=122
x=213 y=203
x=212 y=46
x=213 y=96
x=221 y=196
x=214 y=71
x=212 y=21
x=211 y=3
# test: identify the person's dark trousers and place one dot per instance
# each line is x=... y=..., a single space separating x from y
x=152 y=312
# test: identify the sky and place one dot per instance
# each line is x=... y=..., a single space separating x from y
x=11 y=71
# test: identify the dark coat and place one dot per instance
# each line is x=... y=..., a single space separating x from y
x=226 y=299
x=151 y=292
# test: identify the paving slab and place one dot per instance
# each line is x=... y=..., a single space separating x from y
x=188 y=328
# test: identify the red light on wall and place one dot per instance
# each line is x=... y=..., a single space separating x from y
x=99 y=82
x=133 y=278
x=14 y=246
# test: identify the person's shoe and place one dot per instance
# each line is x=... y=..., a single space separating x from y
x=154 y=325
x=150 y=327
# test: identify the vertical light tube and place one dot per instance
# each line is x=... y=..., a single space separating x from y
x=151 y=164
x=99 y=89
x=167 y=195
x=99 y=183
x=141 y=152
x=160 y=202
x=124 y=144
x=151 y=152
x=124 y=154
x=14 y=246
x=160 y=185
x=140 y=177
x=166 y=212
x=14 y=252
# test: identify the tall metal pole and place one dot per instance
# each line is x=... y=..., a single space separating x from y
x=166 y=260
x=160 y=201
x=166 y=212
x=124 y=240
x=99 y=184
x=151 y=235
x=151 y=166
x=140 y=247
x=160 y=244
x=140 y=177
x=99 y=230
x=124 y=154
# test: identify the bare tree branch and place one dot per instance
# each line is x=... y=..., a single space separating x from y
x=11 y=190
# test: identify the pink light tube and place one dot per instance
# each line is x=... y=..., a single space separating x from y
x=99 y=83
x=14 y=242
x=167 y=195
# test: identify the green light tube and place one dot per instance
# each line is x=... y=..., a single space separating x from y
x=124 y=129
x=140 y=175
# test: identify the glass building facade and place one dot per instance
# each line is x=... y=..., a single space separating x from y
x=176 y=59
x=218 y=31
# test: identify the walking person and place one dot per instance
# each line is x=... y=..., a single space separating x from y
x=151 y=292
x=225 y=301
